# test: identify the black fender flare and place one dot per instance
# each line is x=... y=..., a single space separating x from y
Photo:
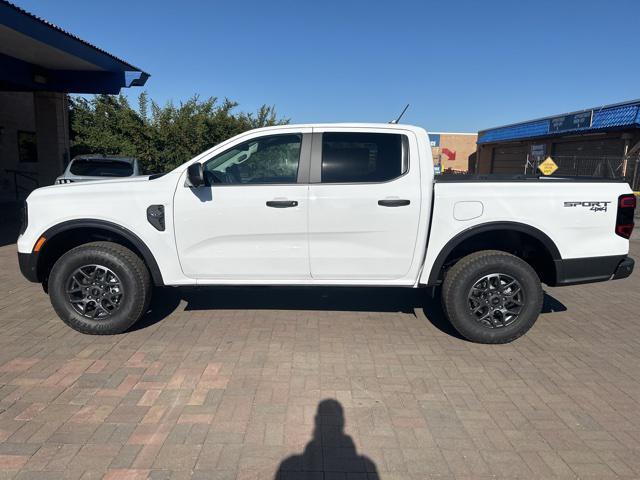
x=131 y=237
x=488 y=227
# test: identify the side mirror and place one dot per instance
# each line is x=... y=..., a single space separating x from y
x=195 y=176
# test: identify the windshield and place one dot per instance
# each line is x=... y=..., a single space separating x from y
x=101 y=168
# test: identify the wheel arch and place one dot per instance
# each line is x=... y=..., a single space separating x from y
x=66 y=235
x=500 y=236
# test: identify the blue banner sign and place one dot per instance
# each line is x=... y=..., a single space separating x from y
x=434 y=138
x=571 y=122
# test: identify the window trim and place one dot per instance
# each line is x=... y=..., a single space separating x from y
x=302 y=175
x=316 y=158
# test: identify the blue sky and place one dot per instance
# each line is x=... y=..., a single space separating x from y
x=462 y=65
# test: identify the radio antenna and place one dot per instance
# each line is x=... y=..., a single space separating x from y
x=399 y=116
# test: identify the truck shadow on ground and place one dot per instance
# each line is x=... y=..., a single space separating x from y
x=167 y=300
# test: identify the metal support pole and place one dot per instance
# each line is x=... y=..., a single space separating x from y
x=625 y=158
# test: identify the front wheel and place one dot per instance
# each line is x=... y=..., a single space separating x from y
x=492 y=297
x=100 y=288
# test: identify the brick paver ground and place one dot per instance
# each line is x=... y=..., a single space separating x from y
x=238 y=383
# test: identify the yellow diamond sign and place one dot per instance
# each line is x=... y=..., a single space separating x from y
x=548 y=166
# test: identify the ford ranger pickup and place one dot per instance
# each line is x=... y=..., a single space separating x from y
x=339 y=205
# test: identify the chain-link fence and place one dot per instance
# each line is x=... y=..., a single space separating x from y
x=633 y=173
x=615 y=167
x=594 y=166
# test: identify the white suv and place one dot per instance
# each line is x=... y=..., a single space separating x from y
x=85 y=168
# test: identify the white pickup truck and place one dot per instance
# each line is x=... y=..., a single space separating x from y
x=342 y=204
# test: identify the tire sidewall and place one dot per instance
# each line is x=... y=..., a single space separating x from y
x=125 y=315
x=466 y=323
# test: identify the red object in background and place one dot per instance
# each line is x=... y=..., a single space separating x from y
x=451 y=155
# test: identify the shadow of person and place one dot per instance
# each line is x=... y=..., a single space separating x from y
x=330 y=453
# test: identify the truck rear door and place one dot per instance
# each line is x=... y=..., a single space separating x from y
x=364 y=204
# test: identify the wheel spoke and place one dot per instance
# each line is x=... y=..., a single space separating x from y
x=486 y=317
x=513 y=299
x=80 y=271
x=111 y=304
x=475 y=310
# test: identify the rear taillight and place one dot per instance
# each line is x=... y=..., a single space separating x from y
x=626 y=210
x=627 y=201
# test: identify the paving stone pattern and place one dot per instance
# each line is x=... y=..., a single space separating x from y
x=294 y=383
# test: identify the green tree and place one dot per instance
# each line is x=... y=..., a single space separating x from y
x=162 y=137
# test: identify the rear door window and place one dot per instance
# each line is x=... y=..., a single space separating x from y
x=350 y=157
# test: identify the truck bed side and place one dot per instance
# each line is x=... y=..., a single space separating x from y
x=575 y=219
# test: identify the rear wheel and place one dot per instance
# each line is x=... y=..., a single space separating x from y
x=100 y=288
x=492 y=296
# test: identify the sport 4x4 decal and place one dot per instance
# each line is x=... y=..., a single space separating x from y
x=593 y=206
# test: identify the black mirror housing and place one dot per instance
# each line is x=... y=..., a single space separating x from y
x=195 y=176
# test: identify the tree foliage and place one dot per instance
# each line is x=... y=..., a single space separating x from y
x=162 y=137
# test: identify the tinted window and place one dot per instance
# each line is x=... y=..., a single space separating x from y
x=101 y=168
x=262 y=160
x=27 y=147
x=361 y=157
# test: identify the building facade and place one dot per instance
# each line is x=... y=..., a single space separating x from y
x=34 y=141
x=602 y=142
x=40 y=64
x=453 y=152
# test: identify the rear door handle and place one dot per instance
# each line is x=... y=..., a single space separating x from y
x=393 y=203
x=282 y=203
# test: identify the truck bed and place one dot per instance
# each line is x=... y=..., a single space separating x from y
x=497 y=177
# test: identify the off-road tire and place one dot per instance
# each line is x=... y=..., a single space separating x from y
x=459 y=281
x=130 y=270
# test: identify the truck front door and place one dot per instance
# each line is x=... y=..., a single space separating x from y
x=249 y=222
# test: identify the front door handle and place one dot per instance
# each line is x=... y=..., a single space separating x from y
x=282 y=203
x=393 y=203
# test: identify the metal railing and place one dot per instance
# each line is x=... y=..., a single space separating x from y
x=615 y=167
x=618 y=167
x=589 y=166
x=633 y=173
x=451 y=171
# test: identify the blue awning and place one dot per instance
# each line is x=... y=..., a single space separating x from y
x=618 y=116
x=37 y=55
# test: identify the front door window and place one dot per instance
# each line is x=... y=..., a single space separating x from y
x=265 y=160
